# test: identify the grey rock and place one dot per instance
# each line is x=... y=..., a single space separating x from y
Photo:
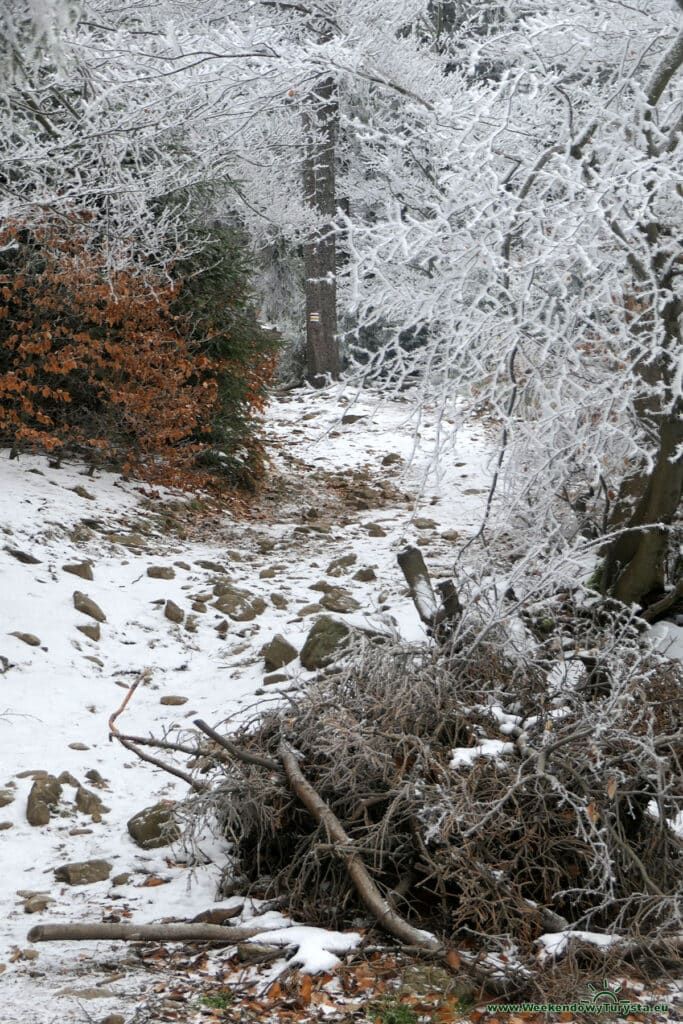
x=84 y=872
x=79 y=746
x=173 y=612
x=67 y=779
x=222 y=628
x=135 y=541
x=82 y=569
x=161 y=572
x=183 y=565
x=36 y=904
x=91 y=630
x=325 y=640
x=86 y=605
x=113 y=1018
x=22 y=556
x=268 y=573
x=6 y=797
x=336 y=567
x=211 y=566
x=122 y=879
x=4 y=825
x=173 y=701
x=88 y=993
x=239 y=605
x=279 y=601
x=27 y=638
x=421 y=523
x=82 y=492
x=154 y=826
x=366 y=574
x=191 y=623
x=44 y=795
x=278 y=652
x=337 y=599
x=391 y=459
x=322 y=585
x=275 y=677
x=90 y=803
x=92 y=775
x=374 y=530
x=351 y=417
x=199 y=606
x=452 y=535
x=310 y=609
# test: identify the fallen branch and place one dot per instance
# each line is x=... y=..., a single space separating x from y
x=417 y=940
x=237 y=752
x=114 y=733
x=370 y=895
x=141 y=933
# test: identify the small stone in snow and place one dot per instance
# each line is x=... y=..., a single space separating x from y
x=183 y=565
x=27 y=638
x=22 y=556
x=336 y=567
x=86 y=605
x=173 y=612
x=203 y=563
x=275 y=677
x=82 y=569
x=122 y=879
x=391 y=458
x=84 y=872
x=279 y=601
x=82 y=492
x=36 y=904
x=91 y=630
x=4 y=825
x=6 y=797
x=173 y=701
x=310 y=609
x=374 y=530
x=337 y=599
x=278 y=652
x=421 y=523
x=79 y=746
x=67 y=779
x=161 y=572
x=365 y=575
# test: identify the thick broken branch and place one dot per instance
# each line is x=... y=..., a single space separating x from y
x=370 y=895
x=141 y=933
x=413 y=567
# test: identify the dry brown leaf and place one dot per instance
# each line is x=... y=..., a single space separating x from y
x=453 y=959
x=306 y=989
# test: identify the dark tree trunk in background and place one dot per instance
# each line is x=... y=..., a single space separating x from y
x=320 y=122
x=635 y=561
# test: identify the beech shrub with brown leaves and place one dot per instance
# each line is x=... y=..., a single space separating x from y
x=101 y=363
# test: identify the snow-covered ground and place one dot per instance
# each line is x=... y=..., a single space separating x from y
x=330 y=491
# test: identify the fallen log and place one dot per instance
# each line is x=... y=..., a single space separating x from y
x=141 y=933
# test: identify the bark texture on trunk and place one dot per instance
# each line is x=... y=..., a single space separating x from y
x=320 y=257
x=634 y=569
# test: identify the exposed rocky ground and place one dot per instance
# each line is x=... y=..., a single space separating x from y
x=102 y=580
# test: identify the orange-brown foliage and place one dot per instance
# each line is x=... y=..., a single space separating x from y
x=99 y=362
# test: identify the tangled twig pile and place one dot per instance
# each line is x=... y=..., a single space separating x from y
x=494 y=795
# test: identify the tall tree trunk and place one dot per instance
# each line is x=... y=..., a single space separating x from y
x=322 y=348
x=635 y=561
